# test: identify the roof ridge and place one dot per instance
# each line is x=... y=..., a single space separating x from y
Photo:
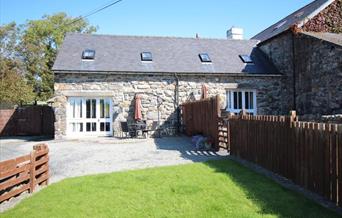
x=162 y=37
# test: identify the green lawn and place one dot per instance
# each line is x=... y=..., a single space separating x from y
x=212 y=189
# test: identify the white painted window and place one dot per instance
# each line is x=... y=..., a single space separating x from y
x=241 y=99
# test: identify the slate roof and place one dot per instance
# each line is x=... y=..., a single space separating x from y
x=170 y=55
x=299 y=17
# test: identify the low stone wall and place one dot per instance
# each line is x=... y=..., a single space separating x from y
x=124 y=88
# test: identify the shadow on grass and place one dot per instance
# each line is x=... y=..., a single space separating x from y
x=270 y=197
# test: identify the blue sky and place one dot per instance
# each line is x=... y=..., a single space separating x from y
x=210 y=19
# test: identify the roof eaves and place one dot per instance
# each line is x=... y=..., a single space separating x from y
x=271 y=74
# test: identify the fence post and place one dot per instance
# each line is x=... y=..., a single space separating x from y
x=32 y=170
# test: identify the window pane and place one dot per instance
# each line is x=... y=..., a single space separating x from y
x=73 y=105
x=93 y=127
x=102 y=127
x=235 y=100
x=81 y=127
x=80 y=108
x=88 y=127
x=251 y=97
x=93 y=108
x=246 y=100
x=107 y=109
x=107 y=126
x=101 y=108
x=240 y=100
x=88 y=108
x=229 y=103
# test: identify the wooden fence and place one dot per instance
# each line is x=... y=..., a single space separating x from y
x=309 y=154
x=24 y=173
x=27 y=120
x=201 y=117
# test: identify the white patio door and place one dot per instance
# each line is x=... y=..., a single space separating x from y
x=89 y=116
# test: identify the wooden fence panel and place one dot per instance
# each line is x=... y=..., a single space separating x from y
x=309 y=154
x=24 y=173
x=201 y=117
x=339 y=166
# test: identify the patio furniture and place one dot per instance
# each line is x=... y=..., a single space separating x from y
x=137 y=127
x=154 y=128
x=125 y=129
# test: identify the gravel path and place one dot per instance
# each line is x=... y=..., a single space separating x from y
x=69 y=158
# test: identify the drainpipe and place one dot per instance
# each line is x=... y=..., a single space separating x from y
x=294 y=106
x=177 y=103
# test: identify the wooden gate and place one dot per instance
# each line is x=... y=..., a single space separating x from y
x=27 y=121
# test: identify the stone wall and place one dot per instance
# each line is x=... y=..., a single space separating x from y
x=328 y=20
x=319 y=76
x=279 y=51
x=124 y=88
x=317 y=66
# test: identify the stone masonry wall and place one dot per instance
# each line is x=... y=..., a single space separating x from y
x=279 y=51
x=318 y=76
x=124 y=88
x=328 y=20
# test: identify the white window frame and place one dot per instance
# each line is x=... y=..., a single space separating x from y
x=230 y=101
x=70 y=119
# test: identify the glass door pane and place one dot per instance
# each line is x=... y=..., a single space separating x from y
x=93 y=108
x=101 y=108
x=91 y=124
x=105 y=116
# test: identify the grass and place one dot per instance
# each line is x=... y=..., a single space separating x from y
x=211 y=189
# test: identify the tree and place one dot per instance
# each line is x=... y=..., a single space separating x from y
x=27 y=54
x=39 y=43
x=13 y=86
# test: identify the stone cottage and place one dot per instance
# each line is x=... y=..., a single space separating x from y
x=306 y=47
x=295 y=64
x=98 y=76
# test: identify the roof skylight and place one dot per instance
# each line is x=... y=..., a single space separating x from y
x=88 y=54
x=146 y=56
x=205 y=57
x=246 y=59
